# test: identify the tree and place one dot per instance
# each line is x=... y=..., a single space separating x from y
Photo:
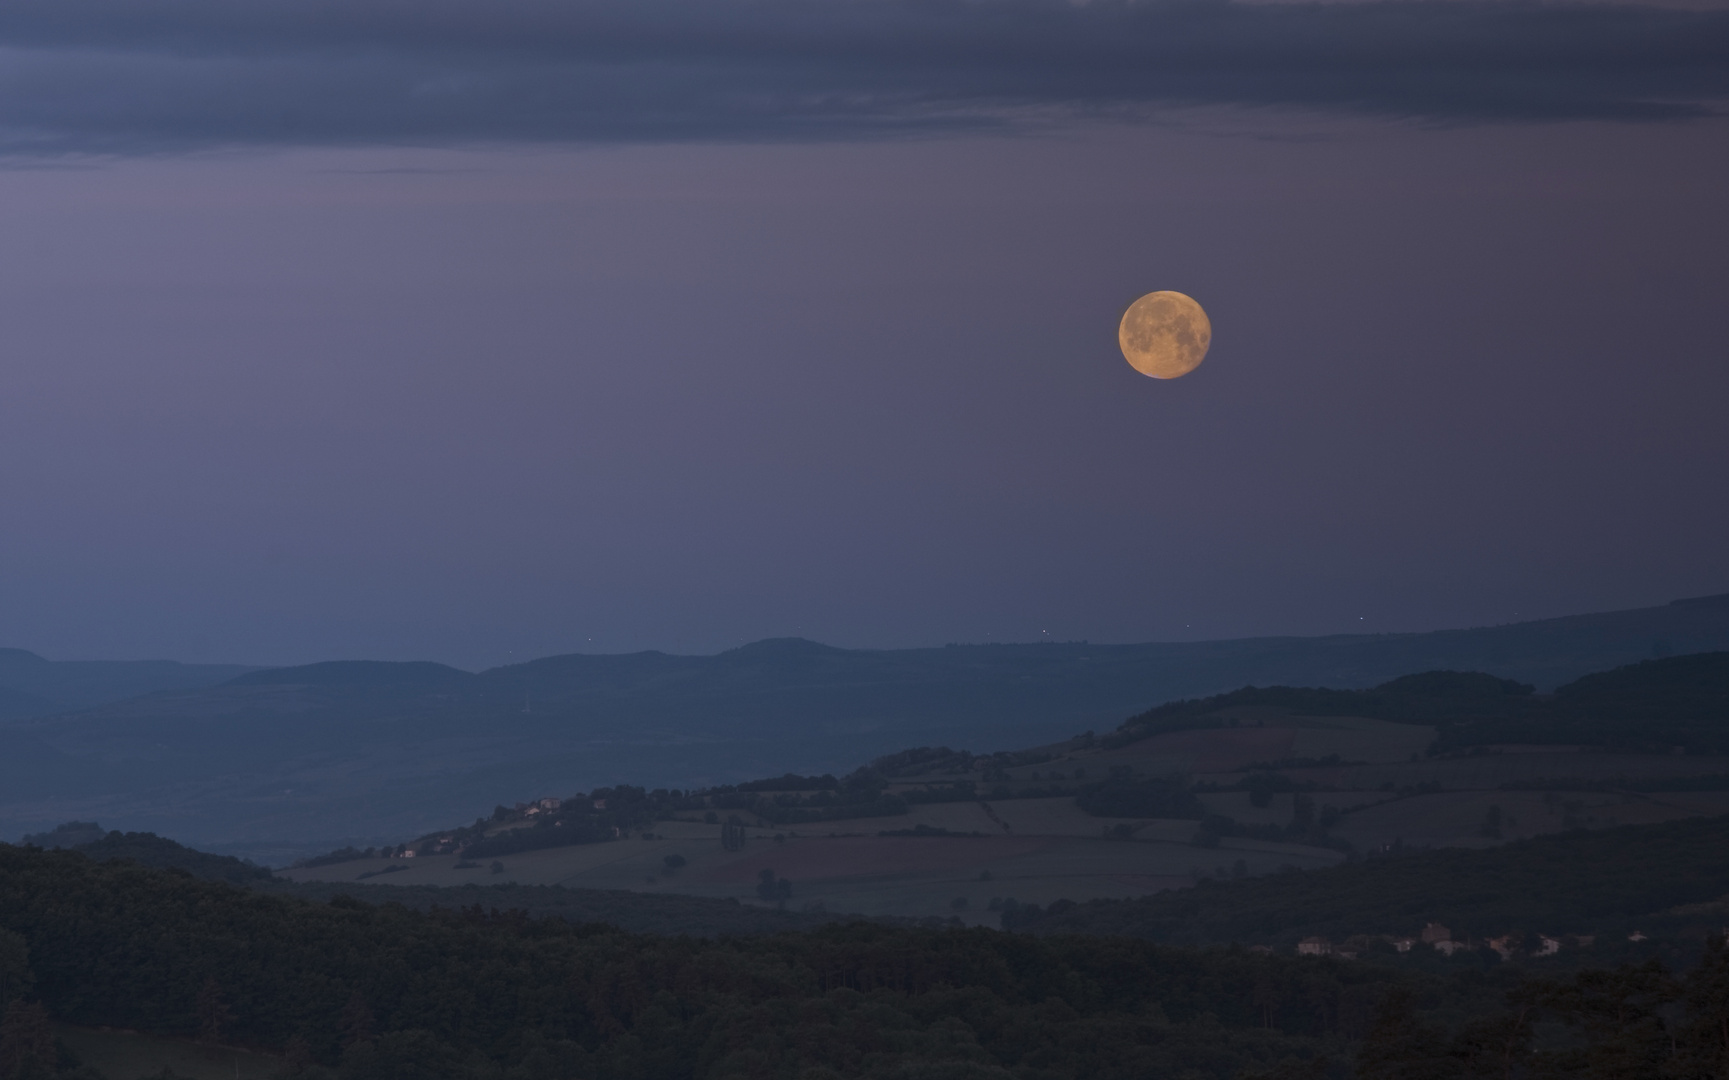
x=213 y=1013
x=732 y=834
x=356 y=1022
x=772 y=889
x=1703 y=1038
x=26 y=1042
x=1619 y=1014
x=16 y=979
x=415 y=1054
x=1499 y=1047
x=297 y=1054
x=1399 y=1046
x=1267 y=999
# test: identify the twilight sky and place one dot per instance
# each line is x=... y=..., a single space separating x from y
x=477 y=332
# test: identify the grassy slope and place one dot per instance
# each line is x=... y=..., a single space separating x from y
x=638 y=913
x=653 y=913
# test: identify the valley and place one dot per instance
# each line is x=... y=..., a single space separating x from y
x=1242 y=788
x=280 y=764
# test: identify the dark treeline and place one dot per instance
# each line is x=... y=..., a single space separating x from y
x=386 y=993
x=1126 y=796
x=148 y=849
x=383 y=990
x=635 y=912
x=1656 y=705
x=1554 y=884
x=1635 y=1022
x=1572 y=883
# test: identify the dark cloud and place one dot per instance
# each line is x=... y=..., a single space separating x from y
x=120 y=75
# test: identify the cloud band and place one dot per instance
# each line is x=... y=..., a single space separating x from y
x=134 y=76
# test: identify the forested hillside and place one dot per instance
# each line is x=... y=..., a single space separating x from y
x=1592 y=883
x=387 y=993
x=1678 y=702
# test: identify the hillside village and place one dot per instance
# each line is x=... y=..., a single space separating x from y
x=1440 y=939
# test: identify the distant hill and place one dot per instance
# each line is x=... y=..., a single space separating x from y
x=69 y=835
x=1676 y=703
x=309 y=758
x=33 y=686
x=1230 y=787
x=634 y=912
x=359 y=673
x=147 y=849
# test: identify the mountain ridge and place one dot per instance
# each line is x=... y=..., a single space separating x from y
x=356 y=751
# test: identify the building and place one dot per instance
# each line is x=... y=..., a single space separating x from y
x=1314 y=946
x=1549 y=947
x=1448 y=946
x=1434 y=932
x=1404 y=944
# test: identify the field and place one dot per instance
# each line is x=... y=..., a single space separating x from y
x=1026 y=838
x=1050 y=851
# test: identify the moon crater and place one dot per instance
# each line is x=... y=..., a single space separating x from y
x=1165 y=335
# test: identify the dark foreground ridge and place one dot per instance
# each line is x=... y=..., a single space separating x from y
x=643 y=913
x=1607 y=884
x=450 y=994
x=1669 y=883
x=386 y=991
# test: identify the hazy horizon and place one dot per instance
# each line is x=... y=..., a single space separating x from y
x=795 y=637
x=681 y=326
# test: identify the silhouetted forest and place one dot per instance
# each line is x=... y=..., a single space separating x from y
x=1570 y=883
x=384 y=991
x=1633 y=1022
x=370 y=992
x=1675 y=702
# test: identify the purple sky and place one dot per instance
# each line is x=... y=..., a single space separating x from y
x=276 y=404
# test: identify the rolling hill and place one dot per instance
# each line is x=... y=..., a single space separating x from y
x=33 y=686
x=1237 y=786
x=280 y=763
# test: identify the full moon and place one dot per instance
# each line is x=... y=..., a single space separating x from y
x=1164 y=335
